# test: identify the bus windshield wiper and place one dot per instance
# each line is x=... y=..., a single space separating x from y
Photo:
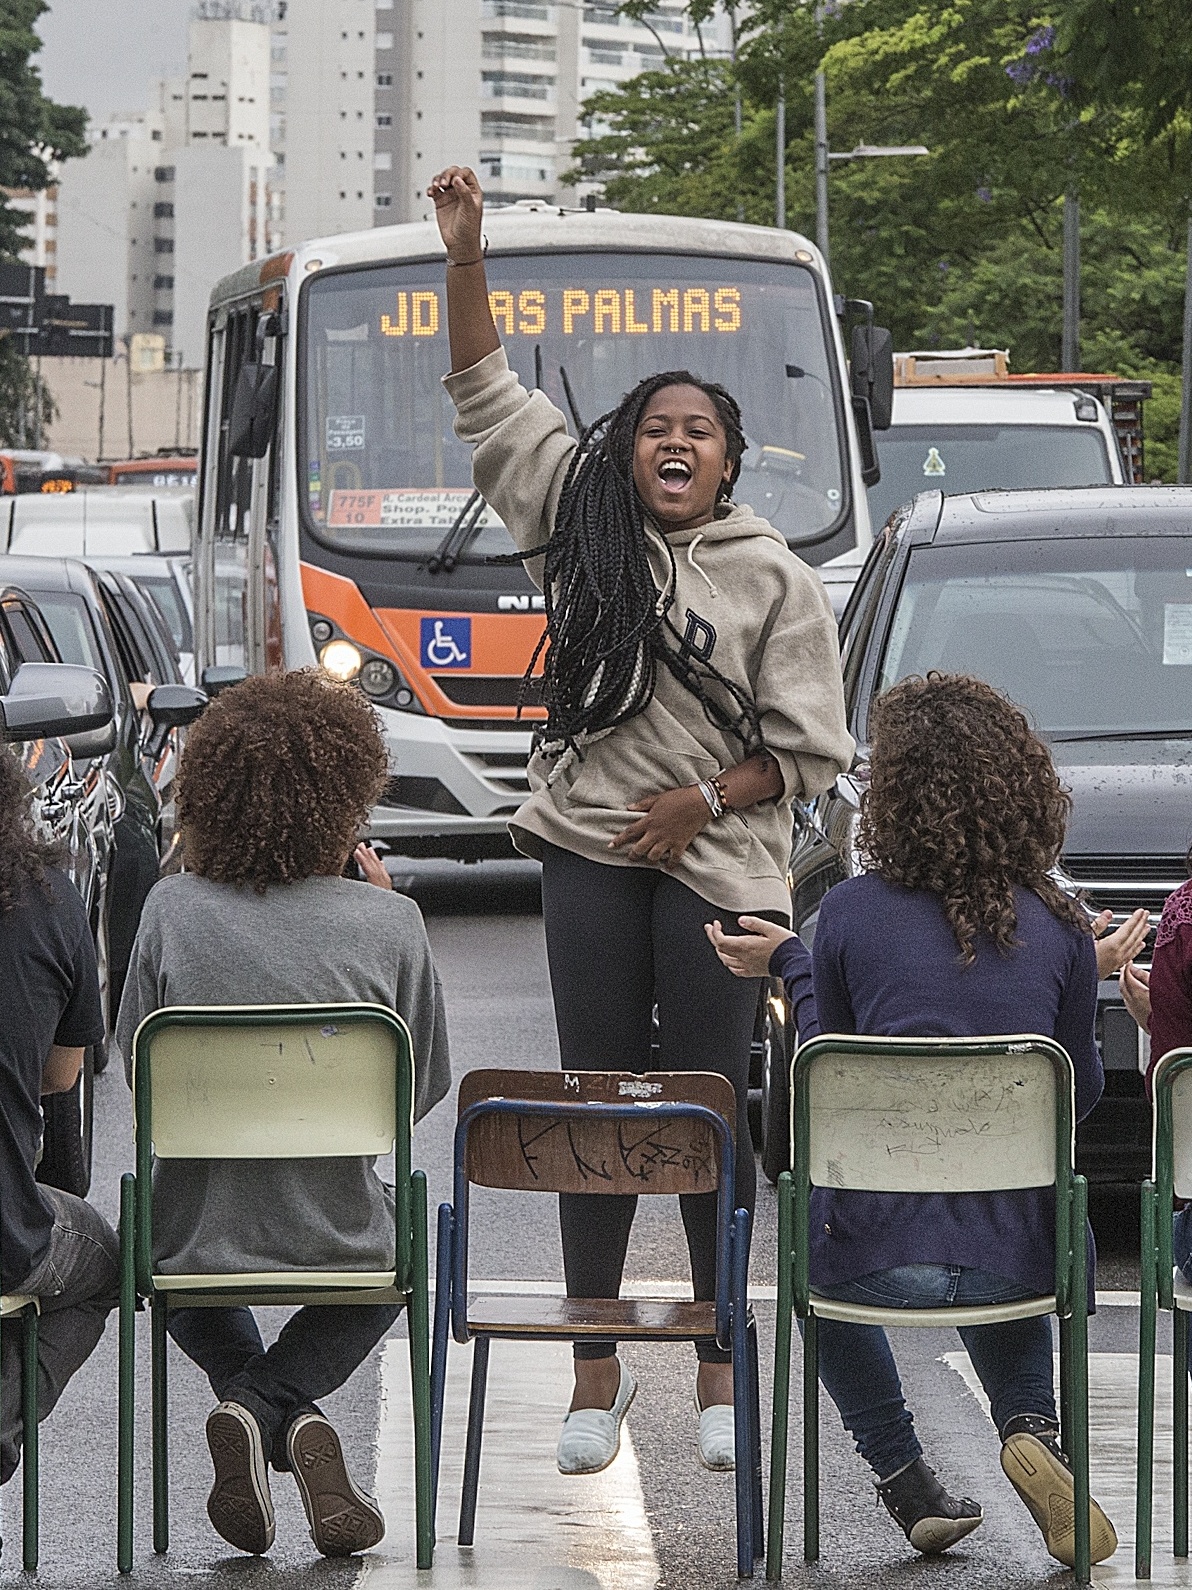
x=571 y=404
x=1123 y=734
x=461 y=535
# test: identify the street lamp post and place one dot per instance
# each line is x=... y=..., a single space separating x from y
x=861 y=152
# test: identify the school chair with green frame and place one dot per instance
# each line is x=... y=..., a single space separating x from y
x=1163 y=1286
x=269 y=1082
x=863 y=1118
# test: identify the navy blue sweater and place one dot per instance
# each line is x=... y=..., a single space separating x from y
x=886 y=963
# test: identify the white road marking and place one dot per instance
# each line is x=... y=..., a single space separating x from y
x=535 y=1528
x=682 y=1289
x=1113 y=1447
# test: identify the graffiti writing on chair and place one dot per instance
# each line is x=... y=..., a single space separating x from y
x=563 y=1154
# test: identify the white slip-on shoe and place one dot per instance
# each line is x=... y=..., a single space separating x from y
x=717 y=1436
x=591 y=1437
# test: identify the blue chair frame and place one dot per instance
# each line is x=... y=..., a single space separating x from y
x=735 y=1329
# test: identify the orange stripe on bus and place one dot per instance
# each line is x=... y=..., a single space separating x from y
x=502 y=643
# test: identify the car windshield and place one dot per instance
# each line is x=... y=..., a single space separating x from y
x=383 y=472
x=70 y=625
x=960 y=458
x=1091 y=637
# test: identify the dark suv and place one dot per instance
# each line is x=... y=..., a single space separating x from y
x=1078 y=604
x=70 y=804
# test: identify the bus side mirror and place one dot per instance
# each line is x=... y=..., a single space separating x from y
x=254 y=411
x=872 y=369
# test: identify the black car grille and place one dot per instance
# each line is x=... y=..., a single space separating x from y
x=1170 y=870
x=423 y=794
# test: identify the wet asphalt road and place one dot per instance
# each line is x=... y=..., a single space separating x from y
x=487 y=935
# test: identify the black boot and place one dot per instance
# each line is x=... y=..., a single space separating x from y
x=930 y=1518
x=1040 y=1472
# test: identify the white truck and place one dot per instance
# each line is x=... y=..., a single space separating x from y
x=962 y=423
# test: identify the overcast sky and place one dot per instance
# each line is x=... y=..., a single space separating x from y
x=105 y=53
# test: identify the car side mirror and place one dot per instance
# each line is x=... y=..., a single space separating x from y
x=872 y=373
x=254 y=411
x=220 y=677
x=47 y=700
x=174 y=706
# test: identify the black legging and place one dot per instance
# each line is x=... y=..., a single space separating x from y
x=620 y=939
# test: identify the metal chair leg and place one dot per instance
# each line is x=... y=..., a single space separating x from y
x=811 y=1439
x=161 y=1427
x=29 y=1455
x=1144 y=1493
x=467 y=1506
x=741 y=1397
x=1179 y=1467
x=755 y=1445
x=780 y=1425
x=1078 y=1379
x=418 y=1325
x=439 y=1336
x=1065 y=1381
x=127 y=1394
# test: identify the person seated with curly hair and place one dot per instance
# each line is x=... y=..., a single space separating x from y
x=277 y=777
x=955 y=929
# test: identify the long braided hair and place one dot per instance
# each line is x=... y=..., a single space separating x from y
x=607 y=626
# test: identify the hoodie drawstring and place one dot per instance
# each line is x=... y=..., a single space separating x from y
x=691 y=546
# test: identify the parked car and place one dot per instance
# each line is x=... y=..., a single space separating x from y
x=70 y=804
x=166 y=582
x=146 y=652
x=1078 y=604
x=69 y=596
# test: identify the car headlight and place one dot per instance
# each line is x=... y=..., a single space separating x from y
x=341 y=660
x=378 y=677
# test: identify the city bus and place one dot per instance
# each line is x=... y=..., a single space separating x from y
x=335 y=495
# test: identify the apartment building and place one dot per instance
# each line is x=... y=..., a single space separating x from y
x=499 y=85
x=171 y=198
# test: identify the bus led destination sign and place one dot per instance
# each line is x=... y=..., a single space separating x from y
x=579 y=311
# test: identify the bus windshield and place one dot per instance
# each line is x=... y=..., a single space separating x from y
x=383 y=472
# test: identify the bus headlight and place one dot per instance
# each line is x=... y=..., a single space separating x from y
x=341 y=660
x=378 y=678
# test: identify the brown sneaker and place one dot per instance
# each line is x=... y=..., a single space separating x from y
x=239 y=1506
x=342 y=1518
x=1041 y=1474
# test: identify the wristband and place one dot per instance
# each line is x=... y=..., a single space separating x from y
x=721 y=794
x=711 y=795
x=479 y=260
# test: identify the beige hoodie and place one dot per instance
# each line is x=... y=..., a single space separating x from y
x=745 y=602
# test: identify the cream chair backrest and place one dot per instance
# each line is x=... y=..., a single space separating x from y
x=924 y=1115
x=1181 y=1134
x=291 y=1090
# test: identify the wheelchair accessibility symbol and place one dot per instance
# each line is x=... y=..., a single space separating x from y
x=446 y=642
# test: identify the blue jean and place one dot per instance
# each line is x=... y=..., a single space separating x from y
x=1013 y=1361
x=317 y=1350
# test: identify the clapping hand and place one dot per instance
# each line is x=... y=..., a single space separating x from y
x=1117 y=949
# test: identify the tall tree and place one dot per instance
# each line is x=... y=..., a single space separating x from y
x=34 y=133
x=963 y=245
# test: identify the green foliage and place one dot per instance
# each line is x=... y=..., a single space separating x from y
x=19 y=395
x=1017 y=102
x=34 y=132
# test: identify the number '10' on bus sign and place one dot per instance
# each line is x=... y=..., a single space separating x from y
x=616 y=311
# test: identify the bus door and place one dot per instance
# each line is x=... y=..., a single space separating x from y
x=233 y=578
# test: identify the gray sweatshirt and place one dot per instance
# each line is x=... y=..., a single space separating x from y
x=316 y=942
x=746 y=602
